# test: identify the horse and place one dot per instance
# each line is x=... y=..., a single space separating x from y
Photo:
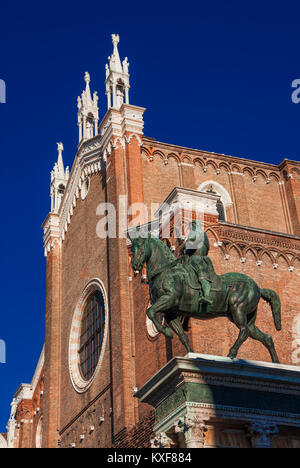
x=169 y=280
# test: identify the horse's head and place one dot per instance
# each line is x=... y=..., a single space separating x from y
x=140 y=254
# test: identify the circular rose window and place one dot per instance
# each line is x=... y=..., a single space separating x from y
x=88 y=335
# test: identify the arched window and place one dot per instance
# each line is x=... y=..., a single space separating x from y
x=91 y=337
x=225 y=201
x=61 y=189
x=120 y=92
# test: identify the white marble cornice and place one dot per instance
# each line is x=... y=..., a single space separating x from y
x=118 y=127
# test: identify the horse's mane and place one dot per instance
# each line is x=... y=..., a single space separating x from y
x=164 y=247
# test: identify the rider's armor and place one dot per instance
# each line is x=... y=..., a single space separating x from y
x=196 y=248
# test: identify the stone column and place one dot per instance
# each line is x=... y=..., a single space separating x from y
x=261 y=433
x=193 y=429
x=126 y=94
x=108 y=94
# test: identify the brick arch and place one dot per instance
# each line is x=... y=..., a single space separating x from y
x=274 y=176
x=295 y=171
x=136 y=136
x=225 y=166
x=296 y=265
x=236 y=249
x=173 y=156
x=236 y=168
x=283 y=259
x=261 y=173
x=212 y=164
x=266 y=254
x=248 y=171
x=295 y=261
x=146 y=151
x=118 y=141
x=198 y=162
x=213 y=233
x=252 y=251
x=186 y=159
x=225 y=197
x=158 y=153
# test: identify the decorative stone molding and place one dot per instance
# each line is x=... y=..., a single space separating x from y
x=188 y=200
x=90 y=146
x=172 y=392
x=261 y=433
x=193 y=429
x=161 y=440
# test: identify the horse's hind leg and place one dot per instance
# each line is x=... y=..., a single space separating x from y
x=265 y=339
x=176 y=325
x=240 y=319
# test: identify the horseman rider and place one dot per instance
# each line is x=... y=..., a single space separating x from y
x=196 y=247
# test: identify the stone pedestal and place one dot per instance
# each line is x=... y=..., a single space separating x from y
x=210 y=401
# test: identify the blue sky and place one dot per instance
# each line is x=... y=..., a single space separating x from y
x=212 y=75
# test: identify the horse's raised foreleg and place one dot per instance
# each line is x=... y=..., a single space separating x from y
x=162 y=304
x=176 y=325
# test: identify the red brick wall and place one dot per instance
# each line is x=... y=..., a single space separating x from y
x=131 y=356
x=84 y=257
x=254 y=187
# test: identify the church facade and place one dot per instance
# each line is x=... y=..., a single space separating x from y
x=100 y=347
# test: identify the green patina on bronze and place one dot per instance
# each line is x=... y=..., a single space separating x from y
x=188 y=286
x=221 y=396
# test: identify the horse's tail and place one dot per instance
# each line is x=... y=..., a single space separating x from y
x=273 y=299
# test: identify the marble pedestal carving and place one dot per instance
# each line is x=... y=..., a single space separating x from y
x=211 y=401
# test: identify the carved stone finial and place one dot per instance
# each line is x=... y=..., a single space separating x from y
x=115 y=39
x=161 y=440
x=193 y=429
x=60 y=147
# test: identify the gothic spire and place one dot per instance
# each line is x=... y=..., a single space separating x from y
x=117 y=77
x=59 y=179
x=88 y=115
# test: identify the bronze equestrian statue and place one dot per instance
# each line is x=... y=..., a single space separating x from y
x=188 y=286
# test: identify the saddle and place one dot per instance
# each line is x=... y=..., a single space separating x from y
x=191 y=298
